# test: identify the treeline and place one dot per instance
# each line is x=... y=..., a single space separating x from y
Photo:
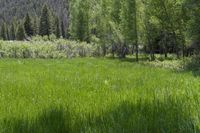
x=121 y=26
x=17 y=9
x=48 y=24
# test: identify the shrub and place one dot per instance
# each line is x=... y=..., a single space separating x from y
x=194 y=63
x=42 y=48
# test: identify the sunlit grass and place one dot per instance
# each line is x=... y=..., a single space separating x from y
x=96 y=95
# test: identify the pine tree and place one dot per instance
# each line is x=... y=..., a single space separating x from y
x=12 y=32
x=79 y=25
x=8 y=33
x=4 y=32
x=28 y=25
x=35 y=26
x=63 y=30
x=20 y=35
x=83 y=22
x=45 y=22
x=57 y=28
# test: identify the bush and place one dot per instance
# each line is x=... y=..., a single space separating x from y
x=194 y=63
x=41 y=48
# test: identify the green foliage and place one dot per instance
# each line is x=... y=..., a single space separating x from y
x=13 y=32
x=35 y=26
x=121 y=26
x=128 y=21
x=45 y=22
x=63 y=30
x=79 y=26
x=42 y=47
x=4 y=32
x=194 y=65
x=20 y=35
x=28 y=25
x=57 y=26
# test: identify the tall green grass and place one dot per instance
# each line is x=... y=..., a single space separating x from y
x=96 y=96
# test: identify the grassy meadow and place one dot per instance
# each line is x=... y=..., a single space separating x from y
x=91 y=95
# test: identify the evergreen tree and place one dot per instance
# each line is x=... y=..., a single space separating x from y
x=63 y=30
x=45 y=22
x=35 y=26
x=79 y=26
x=4 y=32
x=83 y=22
x=20 y=35
x=28 y=25
x=8 y=33
x=57 y=28
x=12 y=32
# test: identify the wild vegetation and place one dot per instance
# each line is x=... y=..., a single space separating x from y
x=140 y=71
x=124 y=26
x=96 y=95
x=39 y=48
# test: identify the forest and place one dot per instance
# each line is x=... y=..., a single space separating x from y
x=118 y=27
x=100 y=66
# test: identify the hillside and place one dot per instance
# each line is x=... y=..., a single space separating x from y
x=18 y=8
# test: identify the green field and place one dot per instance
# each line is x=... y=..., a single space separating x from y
x=91 y=95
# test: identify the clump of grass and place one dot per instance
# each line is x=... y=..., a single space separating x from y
x=95 y=95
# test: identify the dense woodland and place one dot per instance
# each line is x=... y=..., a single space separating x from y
x=119 y=27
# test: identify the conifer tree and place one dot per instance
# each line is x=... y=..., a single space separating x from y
x=57 y=28
x=63 y=30
x=8 y=32
x=20 y=35
x=83 y=22
x=4 y=31
x=28 y=25
x=79 y=25
x=12 y=32
x=35 y=26
x=45 y=22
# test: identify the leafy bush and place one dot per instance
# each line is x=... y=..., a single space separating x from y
x=194 y=63
x=41 y=48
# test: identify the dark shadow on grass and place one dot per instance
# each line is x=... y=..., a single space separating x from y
x=53 y=120
x=143 y=117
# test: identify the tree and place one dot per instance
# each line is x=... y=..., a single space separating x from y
x=4 y=31
x=13 y=32
x=35 y=26
x=57 y=28
x=20 y=35
x=8 y=32
x=28 y=25
x=129 y=25
x=45 y=22
x=103 y=28
x=63 y=32
x=193 y=21
x=79 y=18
